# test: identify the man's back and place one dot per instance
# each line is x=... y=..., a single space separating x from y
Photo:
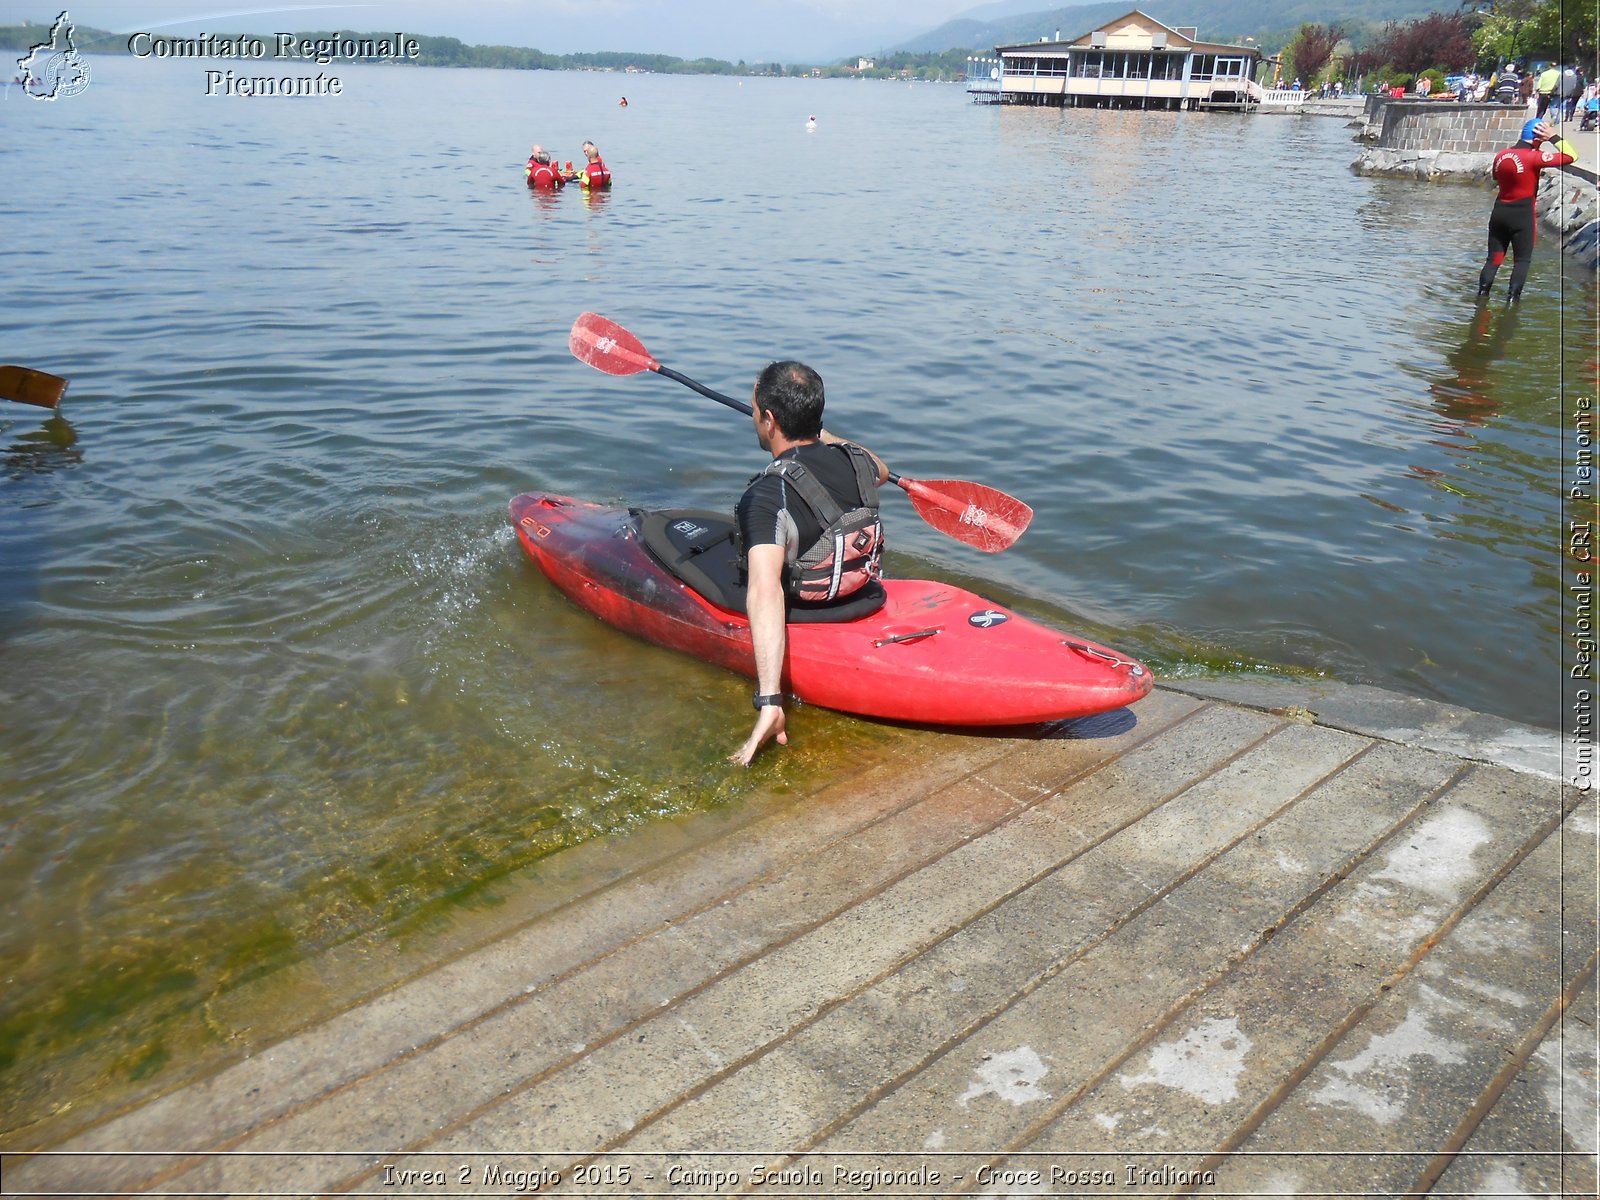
x=770 y=512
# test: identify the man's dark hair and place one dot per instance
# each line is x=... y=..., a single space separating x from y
x=792 y=392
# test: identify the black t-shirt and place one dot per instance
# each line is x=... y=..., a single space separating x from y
x=771 y=512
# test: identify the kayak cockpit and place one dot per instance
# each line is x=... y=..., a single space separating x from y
x=698 y=547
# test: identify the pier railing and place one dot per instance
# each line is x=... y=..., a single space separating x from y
x=1292 y=99
x=983 y=77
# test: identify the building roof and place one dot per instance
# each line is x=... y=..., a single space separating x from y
x=1132 y=31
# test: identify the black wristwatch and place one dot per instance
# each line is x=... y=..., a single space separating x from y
x=775 y=701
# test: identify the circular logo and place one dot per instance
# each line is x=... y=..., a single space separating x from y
x=988 y=619
x=74 y=77
x=65 y=74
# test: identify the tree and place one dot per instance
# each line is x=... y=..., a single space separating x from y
x=1564 y=31
x=1312 y=50
x=1364 y=62
x=1528 y=30
x=1436 y=40
x=1498 y=40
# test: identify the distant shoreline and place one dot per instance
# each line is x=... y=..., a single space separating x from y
x=436 y=51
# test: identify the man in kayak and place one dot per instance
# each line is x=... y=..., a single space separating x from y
x=1511 y=222
x=596 y=176
x=791 y=550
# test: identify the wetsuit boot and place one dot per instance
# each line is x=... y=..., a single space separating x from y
x=1514 y=296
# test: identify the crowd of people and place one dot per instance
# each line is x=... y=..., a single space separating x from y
x=1558 y=91
x=546 y=175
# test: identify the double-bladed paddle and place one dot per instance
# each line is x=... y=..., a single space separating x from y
x=31 y=387
x=980 y=516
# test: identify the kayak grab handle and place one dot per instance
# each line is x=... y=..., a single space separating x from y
x=904 y=637
x=1134 y=669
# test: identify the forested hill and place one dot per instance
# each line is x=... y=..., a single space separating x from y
x=1271 y=22
x=431 y=52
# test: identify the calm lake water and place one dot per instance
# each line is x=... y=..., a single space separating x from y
x=273 y=673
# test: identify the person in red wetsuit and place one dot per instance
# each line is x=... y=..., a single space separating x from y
x=596 y=175
x=541 y=173
x=1511 y=223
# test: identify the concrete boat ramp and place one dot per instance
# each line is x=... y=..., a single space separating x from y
x=1242 y=940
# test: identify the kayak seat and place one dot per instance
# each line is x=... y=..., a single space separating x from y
x=697 y=546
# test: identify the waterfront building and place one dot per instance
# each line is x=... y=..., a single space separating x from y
x=1133 y=61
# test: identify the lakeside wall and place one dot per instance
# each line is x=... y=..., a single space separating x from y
x=1446 y=141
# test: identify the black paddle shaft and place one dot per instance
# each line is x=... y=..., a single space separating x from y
x=736 y=405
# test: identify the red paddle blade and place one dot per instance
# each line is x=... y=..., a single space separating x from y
x=969 y=512
x=607 y=346
x=28 y=386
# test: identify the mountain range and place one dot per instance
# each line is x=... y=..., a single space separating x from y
x=1270 y=22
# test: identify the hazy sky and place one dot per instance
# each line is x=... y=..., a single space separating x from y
x=819 y=30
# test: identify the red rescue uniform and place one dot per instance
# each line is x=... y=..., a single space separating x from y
x=1517 y=169
x=543 y=176
x=596 y=175
x=1512 y=221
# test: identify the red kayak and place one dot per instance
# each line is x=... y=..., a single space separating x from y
x=921 y=651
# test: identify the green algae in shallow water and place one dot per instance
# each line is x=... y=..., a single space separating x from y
x=115 y=1020
x=615 y=800
x=150 y=1017
x=149 y=1063
x=1176 y=658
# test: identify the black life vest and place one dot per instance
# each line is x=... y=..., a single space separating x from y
x=847 y=556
